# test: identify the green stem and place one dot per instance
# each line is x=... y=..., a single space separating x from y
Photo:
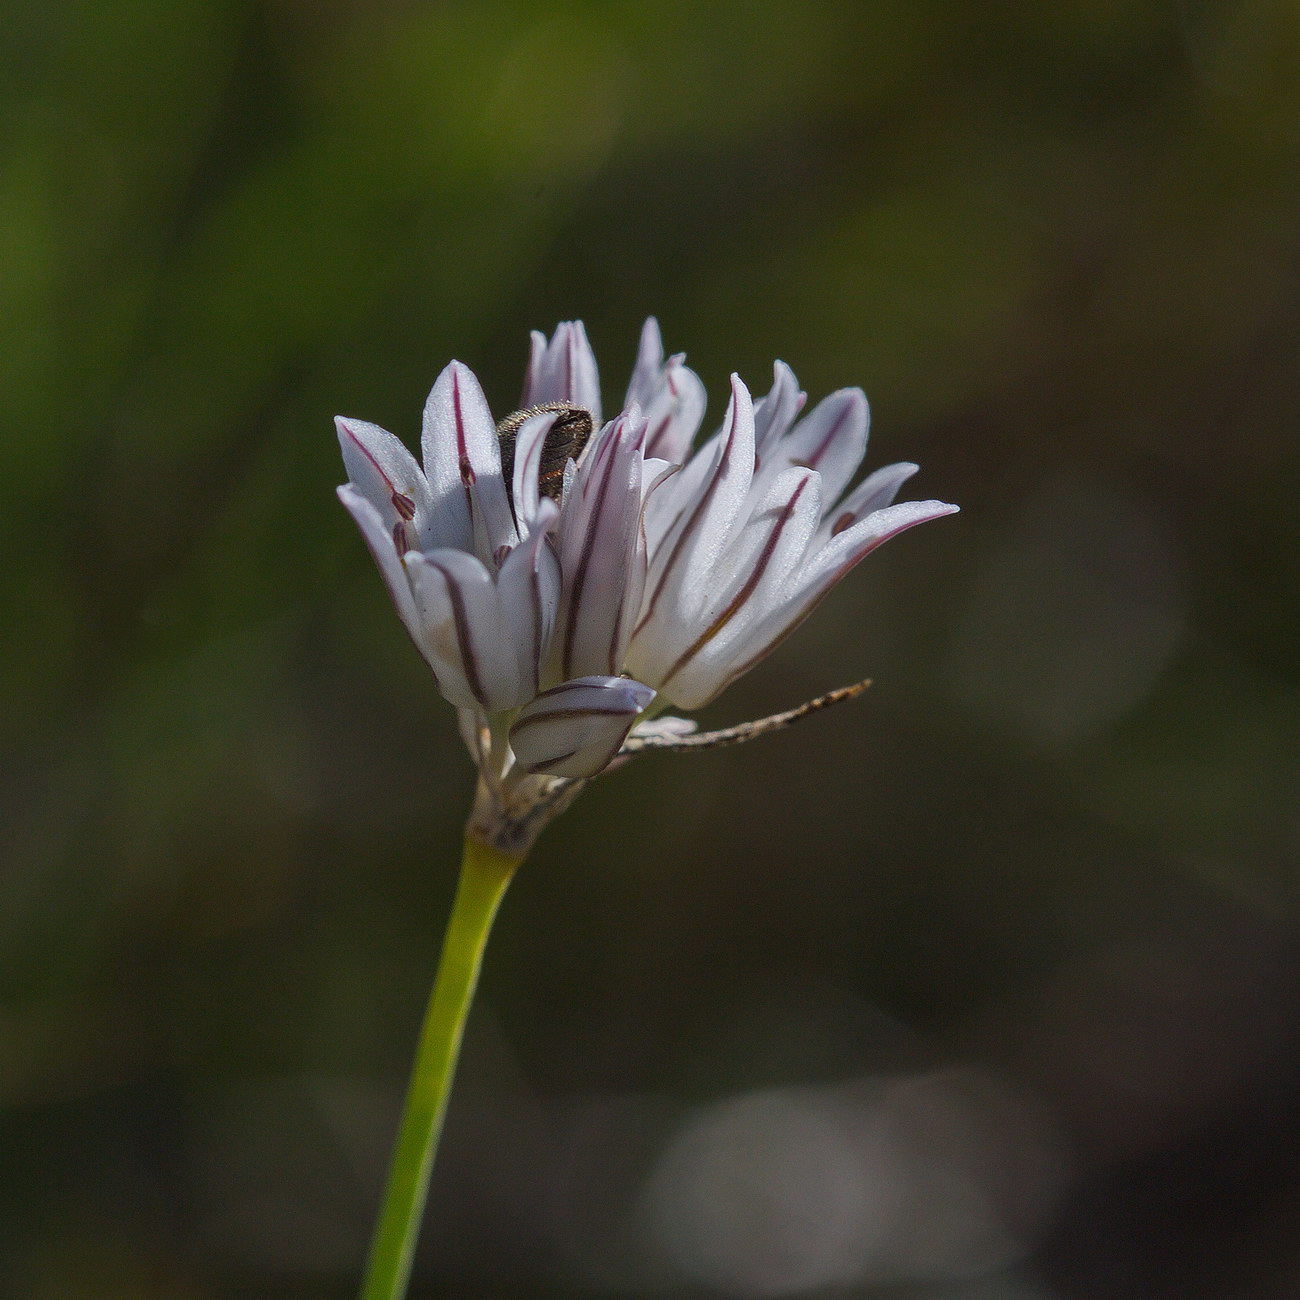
x=484 y=875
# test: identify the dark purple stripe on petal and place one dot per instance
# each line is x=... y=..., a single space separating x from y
x=379 y=469
x=584 y=560
x=846 y=408
x=569 y=715
x=551 y=763
x=467 y=475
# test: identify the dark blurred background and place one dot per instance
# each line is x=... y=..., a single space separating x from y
x=982 y=988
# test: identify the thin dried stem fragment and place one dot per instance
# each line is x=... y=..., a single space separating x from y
x=745 y=731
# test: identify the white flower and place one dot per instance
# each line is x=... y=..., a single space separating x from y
x=554 y=608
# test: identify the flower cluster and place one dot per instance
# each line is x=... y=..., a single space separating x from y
x=592 y=585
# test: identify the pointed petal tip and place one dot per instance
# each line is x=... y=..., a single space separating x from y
x=740 y=393
x=344 y=427
x=908 y=513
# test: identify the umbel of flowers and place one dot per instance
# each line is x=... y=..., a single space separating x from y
x=567 y=578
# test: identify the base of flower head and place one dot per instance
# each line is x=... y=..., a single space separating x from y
x=677 y=734
x=510 y=818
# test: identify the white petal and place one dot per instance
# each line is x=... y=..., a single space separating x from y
x=845 y=549
x=776 y=412
x=388 y=476
x=576 y=728
x=528 y=588
x=772 y=544
x=474 y=654
x=746 y=586
x=462 y=461
x=654 y=473
x=648 y=371
x=600 y=531
x=384 y=550
x=831 y=438
x=683 y=557
x=665 y=509
x=875 y=492
x=673 y=412
x=529 y=444
x=666 y=727
x=536 y=360
x=583 y=378
x=564 y=370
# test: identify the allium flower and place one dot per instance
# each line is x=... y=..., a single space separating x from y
x=565 y=579
x=608 y=564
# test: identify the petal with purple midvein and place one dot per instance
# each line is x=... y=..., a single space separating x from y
x=851 y=544
x=831 y=438
x=673 y=412
x=804 y=590
x=875 y=492
x=690 y=663
x=776 y=412
x=685 y=552
x=648 y=370
x=472 y=650
x=576 y=728
x=564 y=370
x=379 y=540
x=462 y=461
x=389 y=477
x=530 y=442
x=598 y=546
x=528 y=588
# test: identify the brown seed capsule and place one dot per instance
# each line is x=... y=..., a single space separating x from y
x=565 y=441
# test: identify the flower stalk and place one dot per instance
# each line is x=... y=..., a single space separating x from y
x=567 y=580
x=485 y=872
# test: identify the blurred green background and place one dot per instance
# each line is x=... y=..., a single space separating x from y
x=982 y=988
